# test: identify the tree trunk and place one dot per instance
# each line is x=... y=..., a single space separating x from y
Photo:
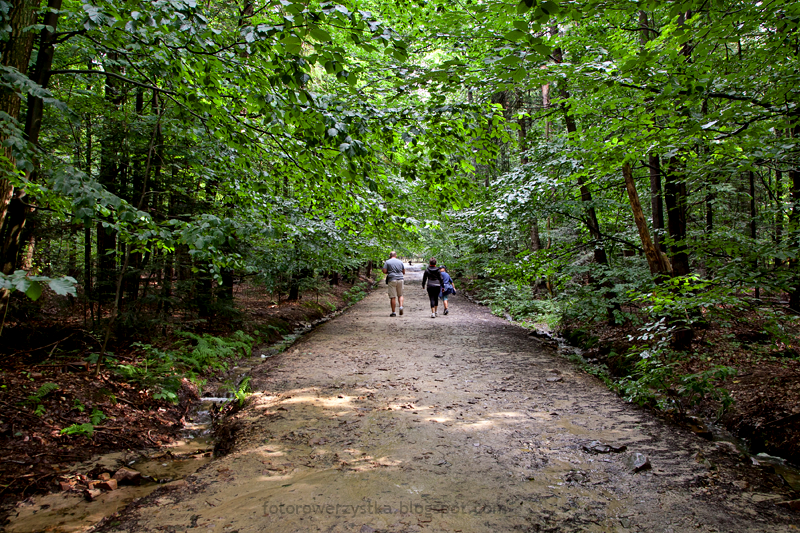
x=654 y=258
x=108 y=177
x=14 y=53
x=753 y=227
x=653 y=161
x=656 y=203
x=794 y=225
x=546 y=105
x=675 y=198
x=778 y=212
x=17 y=215
x=226 y=289
x=536 y=242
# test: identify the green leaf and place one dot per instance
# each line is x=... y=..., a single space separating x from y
x=63 y=286
x=320 y=34
x=515 y=35
x=525 y=6
x=34 y=291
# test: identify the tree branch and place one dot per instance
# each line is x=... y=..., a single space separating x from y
x=113 y=75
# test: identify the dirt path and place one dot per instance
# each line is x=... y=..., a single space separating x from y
x=458 y=423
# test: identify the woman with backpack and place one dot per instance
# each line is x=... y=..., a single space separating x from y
x=434 y=284
x=448 y=287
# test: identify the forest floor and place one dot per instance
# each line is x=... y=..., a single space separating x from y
x=459 y=423
x=53 y=348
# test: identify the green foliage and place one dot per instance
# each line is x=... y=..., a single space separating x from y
x=162 y=370
x=355 y=293
x=97 y=416
x=243 y=391
x=35 y=400
x=42 y=392
x=211 y=353
x=81 y=430
x=519 y=303
x=31 y=286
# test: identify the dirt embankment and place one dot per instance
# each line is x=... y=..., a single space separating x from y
x=456 y=423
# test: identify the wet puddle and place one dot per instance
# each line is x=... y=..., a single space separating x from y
x=70 y=512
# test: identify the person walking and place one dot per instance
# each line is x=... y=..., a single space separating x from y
x=448 y=287
x=394 y=270
x=434 y=284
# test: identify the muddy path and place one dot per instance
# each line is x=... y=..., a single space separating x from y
x=458 y=423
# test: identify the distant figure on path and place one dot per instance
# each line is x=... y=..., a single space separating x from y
x=434 y=279
x=394 y=270
x=448 y=287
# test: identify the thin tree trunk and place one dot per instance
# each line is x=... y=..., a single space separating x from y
x=653 y=160
x=546 y=105
x=778 y=211
x=794 y=232
x=753 y=223
x=654 y=258
x=656 y=203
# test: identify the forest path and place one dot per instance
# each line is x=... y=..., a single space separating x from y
x=458 y=423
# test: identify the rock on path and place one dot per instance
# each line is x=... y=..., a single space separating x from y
x=409 y=424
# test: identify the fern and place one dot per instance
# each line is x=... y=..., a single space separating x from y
x=243 y=391
x=162 y=370
x=97 y=416
x=86 y=430
x=43 y=391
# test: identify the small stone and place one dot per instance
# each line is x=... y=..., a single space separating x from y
x=105 y=476
x=127 y=476
x=598 y=447
x=92 y=494
x=65 y=485
x=110 y=484
x=698 y=427
x=554 y=380
x=638 y=462
x=792 y=505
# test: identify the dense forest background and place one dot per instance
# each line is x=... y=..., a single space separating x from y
x=627 y=172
